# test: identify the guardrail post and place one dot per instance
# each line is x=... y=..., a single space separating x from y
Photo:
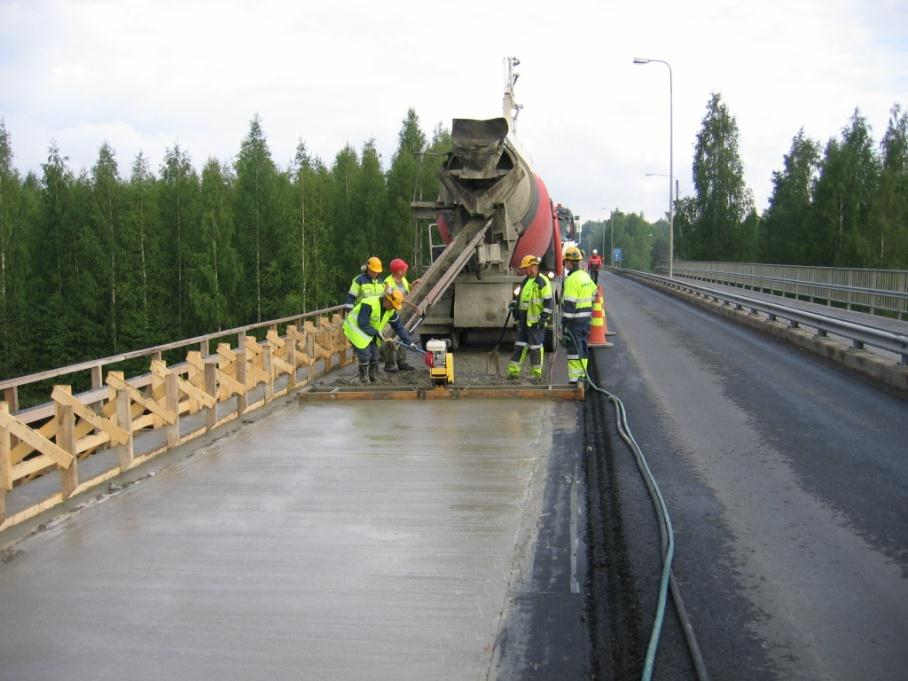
x=125 y=453
x=66 y=440
x=240 y=366
x=211 y=387
x=267 y=349
x=172 y=402
x=6 y=466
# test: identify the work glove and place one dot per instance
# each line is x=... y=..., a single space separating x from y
x=512 y=307
x=543 y=320
x=414 y=346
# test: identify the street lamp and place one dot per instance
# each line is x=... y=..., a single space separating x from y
x=671 y=160
x=611 y=232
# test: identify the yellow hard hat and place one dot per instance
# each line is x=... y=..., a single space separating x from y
x=395 y=297
x=373 y=264
x=529 y=260
x=572 y=253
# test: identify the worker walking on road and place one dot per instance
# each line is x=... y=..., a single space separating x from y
x=579 y=295
x=366 y=284
x=533 y=311
x=394 y=355
x=593 y=265
x=363 y=326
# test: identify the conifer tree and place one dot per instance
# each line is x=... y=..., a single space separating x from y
x=256 y=213
x=106 y=218
x=890 y=209
x=403 y=186
x=178 y=210
x=216 y=270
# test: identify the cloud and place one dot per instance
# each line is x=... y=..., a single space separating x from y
x=144 y=75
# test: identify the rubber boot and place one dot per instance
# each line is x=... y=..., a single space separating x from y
x=391 y=366
x=364 y=374
x=404 y=366
x=373 y=372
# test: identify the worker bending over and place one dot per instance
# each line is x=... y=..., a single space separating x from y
x=363 y=326
x=394 y=355
x=365 y=284
x=533 y=311
x=579 y=295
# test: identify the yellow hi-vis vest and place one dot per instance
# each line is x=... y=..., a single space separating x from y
x=579 y=295
x=404 y=285
x=536 y=298
x=379 y=318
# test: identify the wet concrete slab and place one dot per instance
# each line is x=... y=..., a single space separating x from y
x=323 y=541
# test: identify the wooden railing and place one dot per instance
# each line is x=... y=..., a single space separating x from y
x=133 y=419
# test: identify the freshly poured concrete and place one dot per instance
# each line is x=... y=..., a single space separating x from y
x=354 y=541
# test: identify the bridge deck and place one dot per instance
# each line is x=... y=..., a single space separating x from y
x=370 y=540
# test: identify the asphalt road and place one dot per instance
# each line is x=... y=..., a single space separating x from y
x=787 y=481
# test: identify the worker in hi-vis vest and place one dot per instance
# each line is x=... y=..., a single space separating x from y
x=579 y=294
x=532 y=309
x=394 y=355
x=366 y=284
x=593 y=265
x=363 y=326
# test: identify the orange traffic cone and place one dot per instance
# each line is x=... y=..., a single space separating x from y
x=598 y=328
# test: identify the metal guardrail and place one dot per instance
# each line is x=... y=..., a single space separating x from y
x=872 y=290
x=858 y=334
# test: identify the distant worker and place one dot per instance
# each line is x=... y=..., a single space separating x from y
x=593 y=265
x=394 y=355
x=579 y=295
x=532 y=310
x=363 y=326
x=366 y=284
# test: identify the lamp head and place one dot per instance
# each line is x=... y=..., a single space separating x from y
x=641 y=60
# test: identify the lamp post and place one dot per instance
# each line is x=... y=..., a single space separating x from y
x=611 y=233
x=671 y=160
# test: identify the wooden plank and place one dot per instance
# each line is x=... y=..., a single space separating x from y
x=282 y=366
x=166 y=414
x=23 y=449
x=273 y=338
x=6 y=464
x=66 y=440
x=225 y=351
x=36 y=440
x=252 y=346
x=117 y=435
x=185 y=387
x=34 y=465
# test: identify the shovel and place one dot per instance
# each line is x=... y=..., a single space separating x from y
x=493 y=365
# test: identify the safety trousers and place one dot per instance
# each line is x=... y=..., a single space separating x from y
x=577 y=350
x=529 y=342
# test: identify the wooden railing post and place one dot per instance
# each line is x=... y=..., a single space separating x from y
x=172 y=402
x=11 y=395
x=125 y=452
x=240 y=366
x=66 y=440
x=290 y=355
x=267 y=349
x=6 y=465
x=211 y=387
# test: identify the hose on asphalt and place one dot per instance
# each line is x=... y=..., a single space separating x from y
x=667 y=541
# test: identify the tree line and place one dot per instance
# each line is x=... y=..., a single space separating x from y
x=842 y=204
x=95 y=262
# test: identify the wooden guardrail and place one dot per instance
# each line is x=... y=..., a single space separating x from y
x=140 y=417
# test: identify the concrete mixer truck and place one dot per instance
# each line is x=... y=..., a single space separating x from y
x=492 y=210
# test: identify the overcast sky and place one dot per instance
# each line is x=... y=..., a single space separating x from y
x=145 y=75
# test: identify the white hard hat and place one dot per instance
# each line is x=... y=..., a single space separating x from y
x=595 y=252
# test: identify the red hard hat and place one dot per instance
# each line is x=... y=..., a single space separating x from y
x=398 y=265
